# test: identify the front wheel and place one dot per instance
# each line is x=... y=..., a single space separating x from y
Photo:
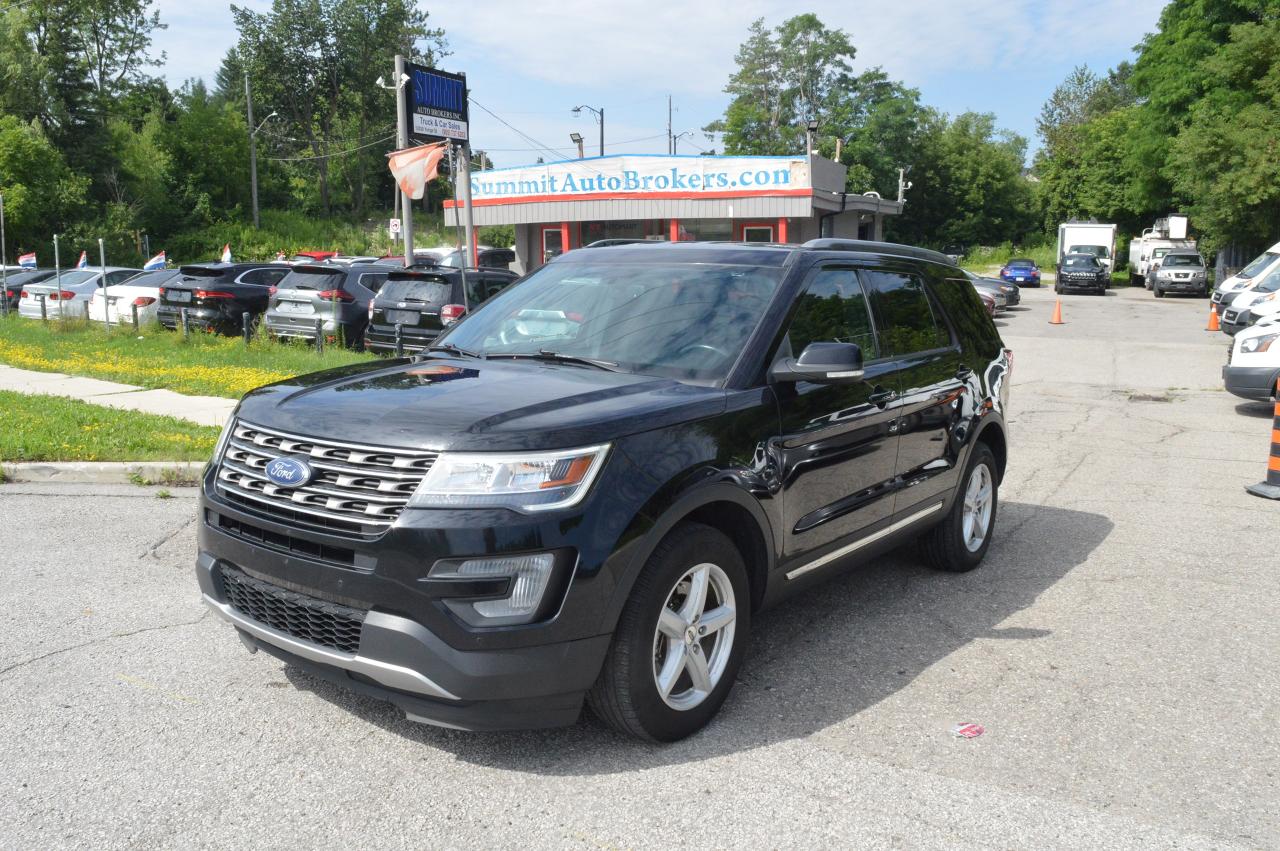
x=680 y=639
x=960 y=541
x=1159 y=293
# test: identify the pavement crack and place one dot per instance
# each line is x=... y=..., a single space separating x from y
x=25 y=662
x=151 y=550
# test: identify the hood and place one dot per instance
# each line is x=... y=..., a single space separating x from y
x=442 y=403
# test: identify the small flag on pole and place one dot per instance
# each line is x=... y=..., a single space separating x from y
x=157 y=262
x=413 y=168
x=83 y=262
x=226 y=253
x=27 y=260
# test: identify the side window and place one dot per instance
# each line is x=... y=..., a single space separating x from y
x=832 y=309
x=263 y=277
x=373 y=281
x=114 y=278
x=905 y=319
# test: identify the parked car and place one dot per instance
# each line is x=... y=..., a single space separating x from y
x=349 y=259
x=116 y=302
x=336 y=296
x=1082 y=272
x=1021 y=271
x=1239 y=314
x=955 y=252
x=312 y=256
x=1008 y=294
x=17 y=278
x=589 y=487
x=67 y=293
x=989 y=301
x=1265 y=262
x=217 y=295
x=1180 y=270
x=489 y=258
x=1253 y=362
x=423 y=301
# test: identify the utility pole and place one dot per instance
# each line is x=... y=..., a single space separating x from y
x=4 y=261
x=671 y=145
x=102 y=264
x=602 y=131
x=465 y=177
x=402 y=142
x=253 y=150
x=903 y=183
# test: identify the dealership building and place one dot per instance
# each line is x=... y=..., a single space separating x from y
x=559 y=206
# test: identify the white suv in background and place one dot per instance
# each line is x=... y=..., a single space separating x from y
x=1253 y=363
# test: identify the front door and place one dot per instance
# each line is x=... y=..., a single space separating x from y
x=931 y=383
x=838 y=443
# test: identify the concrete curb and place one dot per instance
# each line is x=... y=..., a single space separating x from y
x=105 y=472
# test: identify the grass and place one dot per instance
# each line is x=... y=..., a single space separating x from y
x=987 y=260
x=205 y=364
x=55 y=428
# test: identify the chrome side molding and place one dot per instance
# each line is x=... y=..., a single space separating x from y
x=868 y=540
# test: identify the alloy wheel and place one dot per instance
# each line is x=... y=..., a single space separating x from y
x=694 y=637
x=976 y=518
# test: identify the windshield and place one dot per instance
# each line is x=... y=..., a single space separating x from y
x=1080 y=261
x=1269 y=284
x=1183 y=260
x=1261 y=262
x=1095 y=250
x=77 y=276
x=681 y=320
x=309 y=279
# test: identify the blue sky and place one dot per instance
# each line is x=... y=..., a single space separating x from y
x=530 y=63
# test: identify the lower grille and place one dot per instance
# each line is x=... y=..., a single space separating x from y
x=305 y=618
x=283 y=543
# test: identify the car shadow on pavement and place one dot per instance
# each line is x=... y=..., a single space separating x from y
x=1259 y=410
x=817 y=660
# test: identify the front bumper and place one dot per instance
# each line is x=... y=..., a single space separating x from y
x=1182 y=285
x=1236 y=320
x=1251 y=382
x=1092 y=285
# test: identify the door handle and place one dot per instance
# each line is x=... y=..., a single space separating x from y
x=882 y=397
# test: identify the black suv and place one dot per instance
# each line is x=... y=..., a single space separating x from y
x=11 y=294
x=423 y=301
x=587 y=488
x=1082 y=272
x=217 y=295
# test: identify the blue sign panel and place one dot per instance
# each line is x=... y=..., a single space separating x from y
x=437 y=104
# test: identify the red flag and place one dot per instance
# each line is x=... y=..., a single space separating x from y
x=414 y=167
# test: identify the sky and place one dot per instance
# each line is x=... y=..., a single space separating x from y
x=530 y=64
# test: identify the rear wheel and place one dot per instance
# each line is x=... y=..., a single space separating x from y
x=680 y=640
x=960 y=541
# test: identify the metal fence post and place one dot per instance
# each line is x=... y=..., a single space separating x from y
x=320 y=336
x=246 y=326
x=133 y=309
x=44 y=316
x=102 y=264
x=186 y=326
x=86 y=311
x=399 y=341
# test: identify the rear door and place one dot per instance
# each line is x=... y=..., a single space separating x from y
x=930 y=375
x=838 y=444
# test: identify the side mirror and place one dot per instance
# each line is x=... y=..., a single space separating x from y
x=822 y=363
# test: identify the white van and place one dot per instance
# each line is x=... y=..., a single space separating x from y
x=1227 y=290
x=1253 y=364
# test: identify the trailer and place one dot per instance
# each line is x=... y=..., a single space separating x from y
x=1088 y=238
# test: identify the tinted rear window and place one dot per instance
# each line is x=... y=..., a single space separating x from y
x=306 y=279
x=428 y=291
x=1021 y=264
x=1183 y=260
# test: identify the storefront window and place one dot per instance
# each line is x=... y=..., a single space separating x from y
x=704 y=230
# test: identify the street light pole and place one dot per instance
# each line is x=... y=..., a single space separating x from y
x=402 y=142
x=599 y=114
x=253 y=150
x=576 y=138
x=4 y=262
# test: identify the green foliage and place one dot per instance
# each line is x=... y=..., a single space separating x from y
x=40 y=192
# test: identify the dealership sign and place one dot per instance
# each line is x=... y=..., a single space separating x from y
x=437 y=104
x=642 y=176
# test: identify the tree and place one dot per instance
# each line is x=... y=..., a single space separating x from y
x=40 y=192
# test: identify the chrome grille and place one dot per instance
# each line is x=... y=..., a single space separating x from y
x=356 y=489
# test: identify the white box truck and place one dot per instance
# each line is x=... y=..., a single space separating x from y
x=1146 y=251
x=1088 y=238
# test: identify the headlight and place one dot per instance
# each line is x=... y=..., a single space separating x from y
x=1256 y=345
x=526 y=481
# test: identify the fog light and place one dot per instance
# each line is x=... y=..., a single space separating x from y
x=529 y=575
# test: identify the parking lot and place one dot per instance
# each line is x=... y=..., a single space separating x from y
x=1118 y=646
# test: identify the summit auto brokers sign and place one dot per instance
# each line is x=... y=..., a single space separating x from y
x=639 y=176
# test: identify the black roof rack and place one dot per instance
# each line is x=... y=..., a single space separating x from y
x=870 y=247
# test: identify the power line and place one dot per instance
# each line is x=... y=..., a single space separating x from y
x=334 y=154
x=375 y=132
x=520 y=133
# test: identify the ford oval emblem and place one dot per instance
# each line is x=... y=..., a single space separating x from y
x=289 y=472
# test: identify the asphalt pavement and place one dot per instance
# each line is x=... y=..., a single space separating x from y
x=1119 y=646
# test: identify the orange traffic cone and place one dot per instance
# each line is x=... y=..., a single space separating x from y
x=1270 y=487
x=1057 y=313
x=1213 y=320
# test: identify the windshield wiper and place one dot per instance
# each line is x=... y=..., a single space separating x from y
x=557 y=357
x=456 y=350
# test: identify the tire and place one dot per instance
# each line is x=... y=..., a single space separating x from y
x=946 y=546
x=626 y=695
x=1159 y=293
x=1057 y=288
